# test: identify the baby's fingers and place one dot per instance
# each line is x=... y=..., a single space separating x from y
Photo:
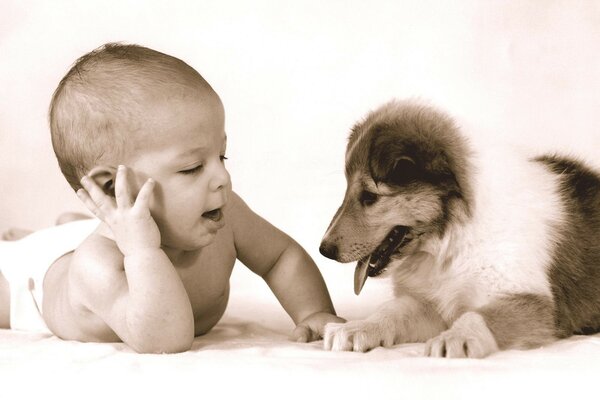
x=145 y=194
x=97 y=196
x=89 y=203
x=303 y=334
x=122 y=193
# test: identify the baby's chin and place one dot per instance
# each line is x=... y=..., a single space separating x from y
x=200 y=242
x=192 y=243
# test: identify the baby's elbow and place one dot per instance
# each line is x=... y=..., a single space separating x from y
x=170 y=348
x=164 y=345
x=180 y=346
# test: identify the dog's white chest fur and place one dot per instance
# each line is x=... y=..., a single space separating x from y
x=504 y=248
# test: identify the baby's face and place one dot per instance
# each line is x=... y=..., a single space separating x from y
x=182 y=147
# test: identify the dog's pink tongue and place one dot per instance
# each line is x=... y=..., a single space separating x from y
x=361 y=274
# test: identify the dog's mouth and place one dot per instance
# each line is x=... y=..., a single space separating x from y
x=375 y=263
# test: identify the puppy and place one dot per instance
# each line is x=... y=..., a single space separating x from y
x=487 y=250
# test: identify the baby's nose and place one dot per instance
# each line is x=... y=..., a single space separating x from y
x=220 y=179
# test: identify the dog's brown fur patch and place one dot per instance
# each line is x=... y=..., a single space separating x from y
x=521 y=321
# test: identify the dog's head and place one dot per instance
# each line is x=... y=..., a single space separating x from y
x=406 y=165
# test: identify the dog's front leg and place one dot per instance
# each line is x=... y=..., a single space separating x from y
x=514 y=321
x=401 y=320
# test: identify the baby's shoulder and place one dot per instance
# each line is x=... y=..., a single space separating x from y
x=234 y=203
x=240 y=218
x=96 y=261
x=237 y=210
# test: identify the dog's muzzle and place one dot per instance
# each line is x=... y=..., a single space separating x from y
x=329 y=250
x=375 y=263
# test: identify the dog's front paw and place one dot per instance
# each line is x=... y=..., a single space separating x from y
x=468 y=337
x=357 y=336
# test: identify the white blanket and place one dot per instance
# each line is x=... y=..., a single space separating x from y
x=248 y=354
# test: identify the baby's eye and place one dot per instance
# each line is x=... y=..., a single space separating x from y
x=223 y=158
x=191 y=171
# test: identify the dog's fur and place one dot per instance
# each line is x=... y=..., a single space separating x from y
x=506 y=249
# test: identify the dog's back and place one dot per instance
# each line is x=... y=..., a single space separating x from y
x=535 y=229
x=575 y=270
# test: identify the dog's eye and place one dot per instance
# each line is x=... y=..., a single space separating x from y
x=367 y=198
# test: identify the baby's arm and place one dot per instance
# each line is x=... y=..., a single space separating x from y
x=286 y=267
x=144 y=301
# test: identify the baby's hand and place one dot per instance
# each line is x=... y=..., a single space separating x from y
x=313 y=327
x=129 y=219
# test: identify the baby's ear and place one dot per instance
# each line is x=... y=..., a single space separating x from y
x=104 y=176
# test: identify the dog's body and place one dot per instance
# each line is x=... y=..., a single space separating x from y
x=504 y=250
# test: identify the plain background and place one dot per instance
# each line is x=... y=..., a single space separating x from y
x=296 y=75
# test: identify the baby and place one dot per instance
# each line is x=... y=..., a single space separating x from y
x=140 y=137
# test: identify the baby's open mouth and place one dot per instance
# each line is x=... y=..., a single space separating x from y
x=375 y=263
x=214 y=215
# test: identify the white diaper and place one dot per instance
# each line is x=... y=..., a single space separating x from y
x=24 y=264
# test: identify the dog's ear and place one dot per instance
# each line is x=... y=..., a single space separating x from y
x=404 y=171
x=391 y=162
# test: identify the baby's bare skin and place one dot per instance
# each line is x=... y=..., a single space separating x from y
x=205 y=274
x=156 y=272
x=89 y=294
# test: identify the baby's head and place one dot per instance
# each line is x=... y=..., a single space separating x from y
x=100 y=108
x=130 y=105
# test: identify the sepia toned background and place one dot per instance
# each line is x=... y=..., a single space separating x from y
x=294 y=77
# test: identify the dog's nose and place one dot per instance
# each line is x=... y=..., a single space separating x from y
x=329 y=250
